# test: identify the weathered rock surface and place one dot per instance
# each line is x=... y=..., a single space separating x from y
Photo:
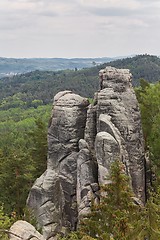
x=117 y=100
x=87 y=181
x=83 y=141
x=107 y=151
x=53 y=196
x=24 y=230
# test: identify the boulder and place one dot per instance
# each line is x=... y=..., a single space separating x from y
x=25 y=231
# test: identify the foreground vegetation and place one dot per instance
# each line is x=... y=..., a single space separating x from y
x=118 y=216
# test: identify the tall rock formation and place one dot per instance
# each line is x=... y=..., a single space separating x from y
x=53 y=196
x=118 y=114
x=83 y=141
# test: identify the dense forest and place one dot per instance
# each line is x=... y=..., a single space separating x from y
x=43 y=85
x=25 y=107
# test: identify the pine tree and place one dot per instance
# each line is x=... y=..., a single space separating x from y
x=148 y=224
x=115 y=216
x=38 y=151
x=15 y=181
x=148 y=96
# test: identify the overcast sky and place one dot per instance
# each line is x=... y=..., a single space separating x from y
x=79 y=28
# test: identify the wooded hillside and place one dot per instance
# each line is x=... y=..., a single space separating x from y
x=43 y=85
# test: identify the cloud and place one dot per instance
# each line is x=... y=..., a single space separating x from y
x=35 y=6
x=72 y=27
x=119 y=7
x=109 y=11
x=110 y=4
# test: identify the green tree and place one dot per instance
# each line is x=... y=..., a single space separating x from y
x=76 y=236
x=22 y=155
x=148 y=223
x=141 y=93
x=5 y=223
x=115 y=216
x=22 y=160
x=149 y=99
x=38 y=150
x=15 y=180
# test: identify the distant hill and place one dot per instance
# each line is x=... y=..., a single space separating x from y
x=43 y=85
x=12 y=66
x=141 y=66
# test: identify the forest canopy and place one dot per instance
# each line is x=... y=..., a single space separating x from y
x=38 y=87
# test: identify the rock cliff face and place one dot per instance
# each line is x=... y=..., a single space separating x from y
x=83 y=141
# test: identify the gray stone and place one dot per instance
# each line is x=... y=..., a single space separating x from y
x=67 y=127
x=86 y=178
x=83 y=141
x=105 y=124
x=107 y=151
x=91 y=129
x=117 y=78
x=117 y=100
x=83 y=144
x=24 y=230
x=53 y=196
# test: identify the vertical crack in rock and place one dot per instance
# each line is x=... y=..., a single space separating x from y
x=118 y=102
x=87 y=179
x=58 y=184
x=83 y=141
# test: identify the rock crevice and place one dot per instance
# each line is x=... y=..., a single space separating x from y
x=83 y=141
